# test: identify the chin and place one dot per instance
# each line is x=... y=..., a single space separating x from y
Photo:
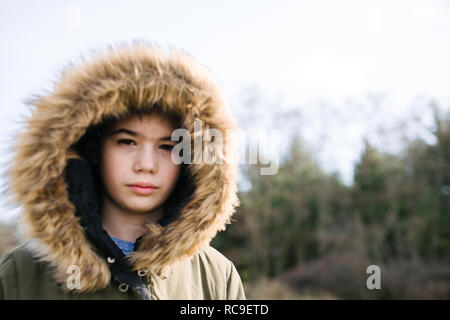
x=141 y=208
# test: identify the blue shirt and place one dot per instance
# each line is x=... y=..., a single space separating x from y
x=126 y=246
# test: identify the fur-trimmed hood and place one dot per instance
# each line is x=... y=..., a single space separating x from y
x=107 y=85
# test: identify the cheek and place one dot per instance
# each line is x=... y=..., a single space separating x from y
x=172 y=172
x=111 y=165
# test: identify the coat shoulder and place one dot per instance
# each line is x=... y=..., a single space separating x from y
x=13 y=264
x=215 y=259
x=207 y=275
x=20 y=258
x=19 y=253
x=224 y=272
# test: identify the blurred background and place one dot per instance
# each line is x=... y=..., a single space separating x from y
x=359 y=92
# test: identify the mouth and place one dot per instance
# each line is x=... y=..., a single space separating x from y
x=143 y=188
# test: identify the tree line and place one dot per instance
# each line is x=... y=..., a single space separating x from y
x=307 y=228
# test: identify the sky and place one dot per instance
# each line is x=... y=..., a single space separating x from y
x=330 y=61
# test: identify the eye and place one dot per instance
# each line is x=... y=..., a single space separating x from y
x=125 y=141
x=167 y=147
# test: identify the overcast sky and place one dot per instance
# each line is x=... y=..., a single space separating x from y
x=303 y=54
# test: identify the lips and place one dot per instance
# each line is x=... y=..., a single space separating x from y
x=143 y=185
x=143 y=188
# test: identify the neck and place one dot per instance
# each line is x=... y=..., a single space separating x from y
x=126 y=225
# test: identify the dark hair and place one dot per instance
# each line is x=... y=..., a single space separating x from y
x=107 y=122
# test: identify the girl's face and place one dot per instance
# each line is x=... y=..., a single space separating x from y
x=137 y=152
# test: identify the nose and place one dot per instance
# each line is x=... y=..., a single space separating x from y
x=146 y=160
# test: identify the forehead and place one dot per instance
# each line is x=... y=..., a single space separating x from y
x=146 y=122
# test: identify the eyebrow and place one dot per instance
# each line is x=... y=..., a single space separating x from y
x=135 y=134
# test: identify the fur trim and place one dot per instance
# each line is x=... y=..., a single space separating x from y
x=105 y=86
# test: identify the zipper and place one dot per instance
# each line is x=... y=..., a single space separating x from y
x=149 y=285
x=146 y=278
